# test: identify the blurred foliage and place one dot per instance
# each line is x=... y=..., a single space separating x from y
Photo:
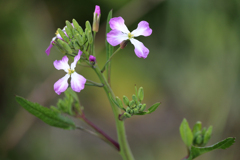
x=193 y=68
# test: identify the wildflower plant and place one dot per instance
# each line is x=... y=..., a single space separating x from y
x=77 y=44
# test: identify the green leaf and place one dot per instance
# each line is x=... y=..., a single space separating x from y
x=109 y=48
x=153 y=107
x=197 y=151
x=51 y=117
x=186 y=133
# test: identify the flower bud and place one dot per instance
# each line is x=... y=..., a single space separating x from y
x=126 y=114
x=79 y=39
x=128 y=109
x=88 y=26
x=207 y=135
x=76 y=45
x=69 y=33
x=123 y=44
x=96 y=18
x=134 y=97
x=199 y=140
x=135 y=110
x=131 y=103
x=93 y=59
x=69 y=26
x=143 y=107
x=197 y=127
x=140 y=94
x=125 y=100
x=63 y=35
x=119 y=102
x=65 y=46
x=77 y=27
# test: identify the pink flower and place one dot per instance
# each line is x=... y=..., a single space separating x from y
x=77 y=80
x=120 y=33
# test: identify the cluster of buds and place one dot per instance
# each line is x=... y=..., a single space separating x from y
x=134 y=107
x=201 y=136
x=72 y=38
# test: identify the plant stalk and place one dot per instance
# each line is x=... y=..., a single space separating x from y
x=125 y=150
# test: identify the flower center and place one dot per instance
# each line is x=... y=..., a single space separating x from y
x=130 y=35
x=70 y=71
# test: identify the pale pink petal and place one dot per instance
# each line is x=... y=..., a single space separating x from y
x=142 y=29
x=97 y=10
x=76 y=58
x=62 y=64
x=115 y=37
x=117 y=23
x=77 y=82
x=61 y=85
x=48 y=50
x=140 y=50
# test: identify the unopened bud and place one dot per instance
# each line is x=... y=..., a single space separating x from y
x=131 y=103
x=63 y=35
x=92 y=58
x=123 y=44
x=207 y=135
x=197 y=127
x=140 y=94
x=96 y=18
x=77 y=27
x=65 y=46
x=134 y=97
x=126 y=114
x=143 y=107
x=125 y=100
x=119 y=102
x=69 y=32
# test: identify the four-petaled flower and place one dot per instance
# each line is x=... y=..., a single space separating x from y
x=77 y=81
x=120 y=33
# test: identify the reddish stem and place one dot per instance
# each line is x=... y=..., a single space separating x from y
x=99 y=131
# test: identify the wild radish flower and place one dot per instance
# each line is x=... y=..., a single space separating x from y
x=77 y=81
x=120 y=33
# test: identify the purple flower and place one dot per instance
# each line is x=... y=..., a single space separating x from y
x=77 y=81
x=97 y=10
x=120 y=33
x=92 y=58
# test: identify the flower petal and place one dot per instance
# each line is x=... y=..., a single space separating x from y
x=115 y=37
x=48 y=50
x=61 y=85
x=117 y=23
x=142 y=29
x=62 y=64
x=97 y=10
x=77 y=82
x=140 y=50
x=76 y=58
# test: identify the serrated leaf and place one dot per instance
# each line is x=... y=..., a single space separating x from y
x=109 y=48
x=47 y=115
x=197 y=151
x=153 y=108
x=186 y=133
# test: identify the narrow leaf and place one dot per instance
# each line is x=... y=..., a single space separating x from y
x=47 y=115
x=197 y=151
x=109 y=48
x=186 y=133
x=153 y=107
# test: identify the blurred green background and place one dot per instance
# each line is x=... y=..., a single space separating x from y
x=193 y=68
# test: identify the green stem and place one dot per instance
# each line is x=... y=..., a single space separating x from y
x=125 y=150
x=110 y=59
x=93 y=83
